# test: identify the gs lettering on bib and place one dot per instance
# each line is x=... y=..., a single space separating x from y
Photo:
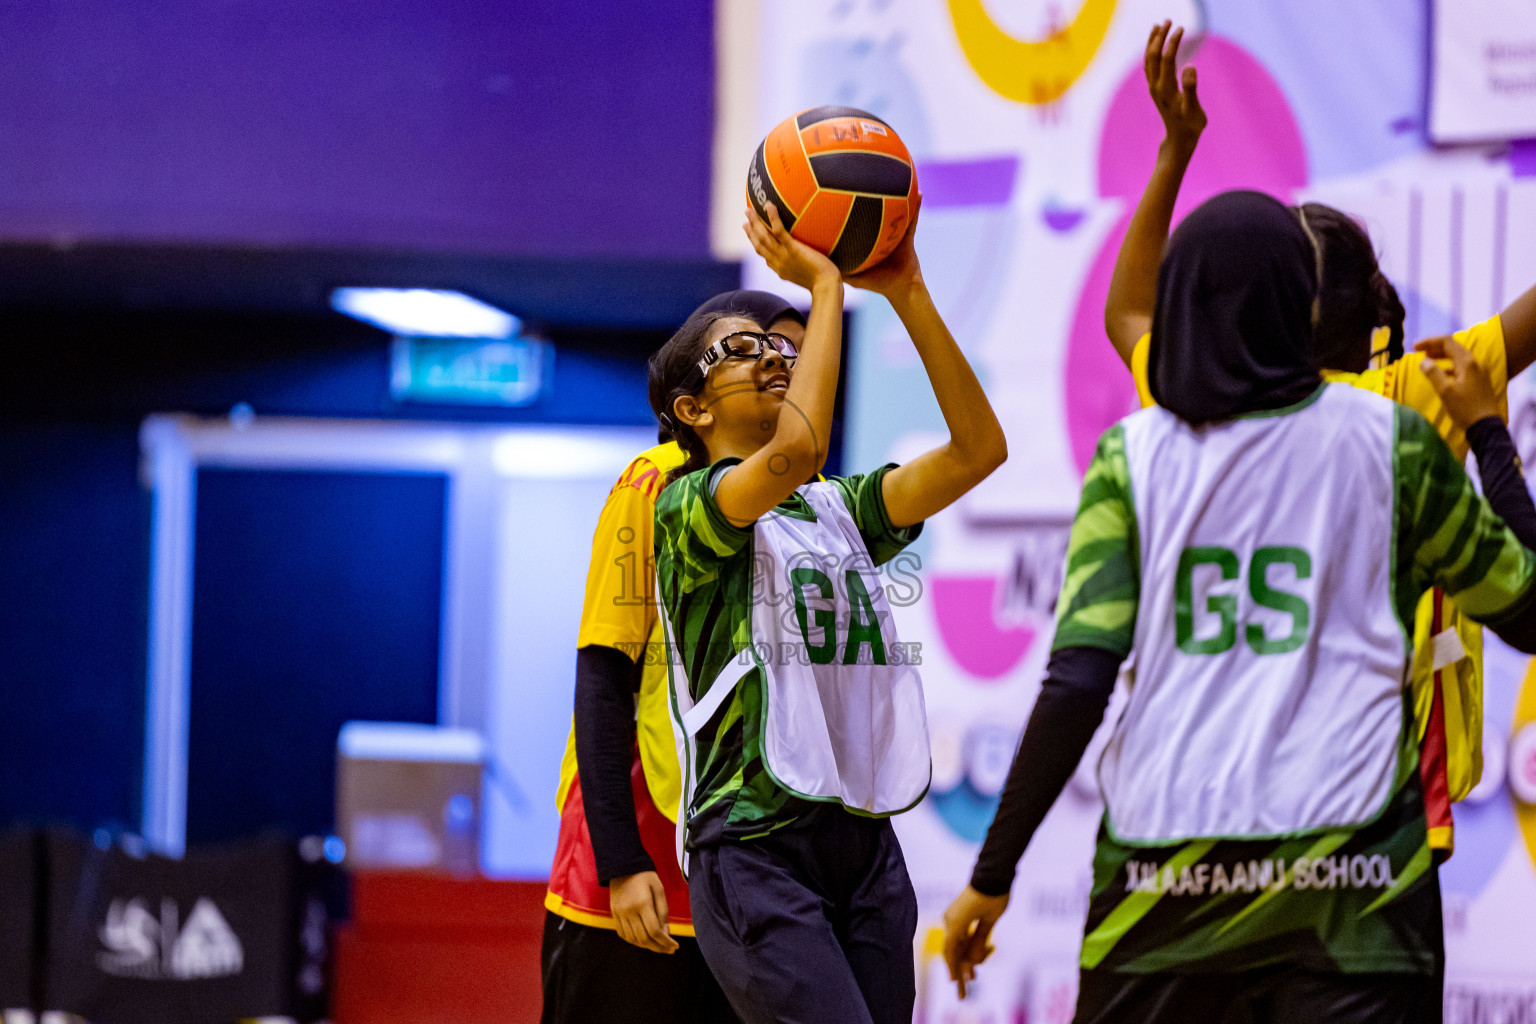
x=1244 y=720
x=1224 y=606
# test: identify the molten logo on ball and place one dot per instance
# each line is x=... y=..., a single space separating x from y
x=759 y=193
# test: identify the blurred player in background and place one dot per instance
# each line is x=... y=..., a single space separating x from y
x=1467 y=391
x=616 y=895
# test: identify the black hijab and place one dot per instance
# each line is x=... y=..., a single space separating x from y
x=764 y=307
x=1232 y=331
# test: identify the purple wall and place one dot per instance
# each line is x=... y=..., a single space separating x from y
x=526 y=127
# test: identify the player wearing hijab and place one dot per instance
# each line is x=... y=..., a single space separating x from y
x=1264 y=850
x=1357 y=336
x=616 y=896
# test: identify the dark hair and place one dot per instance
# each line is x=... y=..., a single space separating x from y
x=1354 y=296
x=672 y=372
x=765 y=308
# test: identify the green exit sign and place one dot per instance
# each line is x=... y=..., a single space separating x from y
x=472 y=371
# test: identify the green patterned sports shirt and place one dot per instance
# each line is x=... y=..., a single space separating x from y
x=1357 y=898
x=704 y=572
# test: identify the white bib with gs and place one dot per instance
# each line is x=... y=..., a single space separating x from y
x=1269 y=660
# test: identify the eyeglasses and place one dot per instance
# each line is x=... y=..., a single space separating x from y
x=747 y=345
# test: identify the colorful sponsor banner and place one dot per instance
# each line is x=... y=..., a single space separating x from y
x=1033 y=135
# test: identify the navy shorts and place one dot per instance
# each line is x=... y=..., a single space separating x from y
x=812 y=924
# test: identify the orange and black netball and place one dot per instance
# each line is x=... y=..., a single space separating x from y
x=842 y=180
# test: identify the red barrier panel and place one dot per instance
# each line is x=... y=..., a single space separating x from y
x=437 y=950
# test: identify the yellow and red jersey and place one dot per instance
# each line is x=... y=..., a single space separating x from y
x=619 y=611
x=1447 y=674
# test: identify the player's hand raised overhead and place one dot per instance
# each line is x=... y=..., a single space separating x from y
x=1183 y=117
x=899 y=271
x=785 y=254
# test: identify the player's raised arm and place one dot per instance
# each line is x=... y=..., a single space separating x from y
x=799 y=444
x=1519 y=320
x=976 y=444
x=1133 y=286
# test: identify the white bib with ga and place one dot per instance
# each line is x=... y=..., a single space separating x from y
x=844 y=718
x=1270 y=663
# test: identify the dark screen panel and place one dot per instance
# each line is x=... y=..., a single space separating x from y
x=74 y=561
x=316 y=600
x=537 y=127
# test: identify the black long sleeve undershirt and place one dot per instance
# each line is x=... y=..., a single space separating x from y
x=1077 y=688
x=605 y=749
x=1498 y=465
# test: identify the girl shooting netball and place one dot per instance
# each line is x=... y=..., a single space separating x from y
x=801 y=899
x=618 y=937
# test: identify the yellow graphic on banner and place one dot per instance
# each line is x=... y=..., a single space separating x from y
x=1522 y=760
x=1028 y=71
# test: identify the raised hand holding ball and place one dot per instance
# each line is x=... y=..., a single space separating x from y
x=842 y=182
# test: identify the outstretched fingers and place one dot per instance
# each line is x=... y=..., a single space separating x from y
x=1191 y=98
x=1168 y=64
x=1174 y=91
x=764 y=240
x=757 y=231
x=775 y=224
x=1153 y=56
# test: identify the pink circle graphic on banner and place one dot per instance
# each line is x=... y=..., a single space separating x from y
x=1252 y=142
x=963 y=607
